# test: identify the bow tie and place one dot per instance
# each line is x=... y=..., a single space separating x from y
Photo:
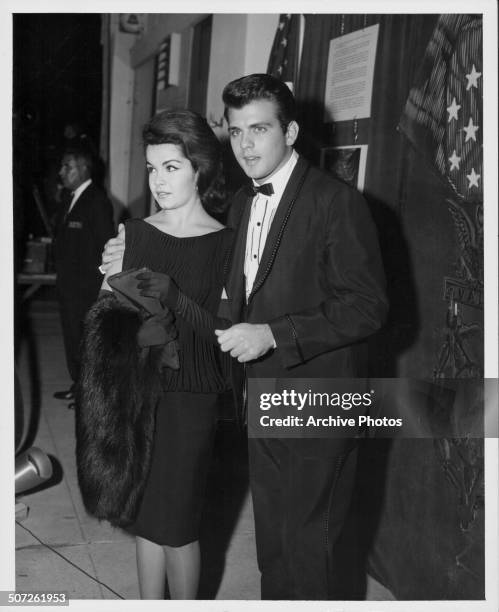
x=265 y=189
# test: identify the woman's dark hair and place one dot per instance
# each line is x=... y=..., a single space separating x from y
x=192 y=134
x=244 y=90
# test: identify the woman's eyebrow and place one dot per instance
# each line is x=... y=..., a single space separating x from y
x=166 y=161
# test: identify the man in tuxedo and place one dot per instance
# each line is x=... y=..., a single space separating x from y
x=306 y=284
x=84 y=224
x=305 y=288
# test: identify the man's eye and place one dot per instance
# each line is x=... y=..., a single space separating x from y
x=260 y=129
x=149 y=170
x=234 y=133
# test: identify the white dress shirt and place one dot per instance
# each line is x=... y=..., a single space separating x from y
x=77 y=193
x=263 y=209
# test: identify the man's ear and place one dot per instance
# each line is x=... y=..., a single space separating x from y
x=83 y=170
x=292 y=133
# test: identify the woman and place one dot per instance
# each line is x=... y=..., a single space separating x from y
x=186 y=243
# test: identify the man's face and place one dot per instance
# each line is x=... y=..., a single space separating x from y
x=72 y=172
x=257 y=139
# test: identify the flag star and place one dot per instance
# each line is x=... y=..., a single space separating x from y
x=454 y=161
x=281 y=25
x=470 y=130
x=473 y=178
x=453 y=110
x=473 y=77
x=279 y=70
x=284 y=41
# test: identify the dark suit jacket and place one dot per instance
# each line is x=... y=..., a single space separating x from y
x=80 y=239
x=320 y=284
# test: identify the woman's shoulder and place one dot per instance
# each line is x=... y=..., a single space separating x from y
x=132 y=223
x=207 y=224
x=139 y=225
x=204 y=228
x=222 y=233
x=227 y=234
x=138 y=232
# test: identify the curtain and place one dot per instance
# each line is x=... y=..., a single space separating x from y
x=404 y=493
x=401 y=43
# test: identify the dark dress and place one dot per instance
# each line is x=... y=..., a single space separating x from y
x=186 y=417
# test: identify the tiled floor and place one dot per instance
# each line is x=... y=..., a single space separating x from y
x=98 y=556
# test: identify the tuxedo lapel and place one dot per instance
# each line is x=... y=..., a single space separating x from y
x=80 y=202
x=62 y=214
x=234 y=278
x=278 y=226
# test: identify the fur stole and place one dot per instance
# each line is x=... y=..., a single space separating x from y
x=117 y=395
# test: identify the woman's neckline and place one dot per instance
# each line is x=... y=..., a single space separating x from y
x=182 y=237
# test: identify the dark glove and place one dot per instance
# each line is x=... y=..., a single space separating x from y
x=159 y=286
x=159 y=332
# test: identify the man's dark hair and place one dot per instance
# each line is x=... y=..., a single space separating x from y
x=253 y=87
x=192 y=134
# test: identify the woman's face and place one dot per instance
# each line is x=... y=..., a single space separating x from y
x=172 y=179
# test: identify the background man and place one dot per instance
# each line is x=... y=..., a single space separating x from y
x=84 y=224
x=305 y=285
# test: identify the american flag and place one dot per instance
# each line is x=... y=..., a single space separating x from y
x=283 y=60
x=443 y=114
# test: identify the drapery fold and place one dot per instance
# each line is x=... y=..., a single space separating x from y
x=401 y=43
x=394 y=502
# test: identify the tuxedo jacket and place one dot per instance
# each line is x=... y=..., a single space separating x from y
x=79 y=242
x=320 y=284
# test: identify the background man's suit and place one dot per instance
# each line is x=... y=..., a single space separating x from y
x=80 y=239
x=320 y=287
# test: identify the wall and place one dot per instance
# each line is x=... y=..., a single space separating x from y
x=240 y=44
x=128 y=53
x=259 y=38
x=175 y=96
x=142 y=110
x=120 y=113
x=158 y=26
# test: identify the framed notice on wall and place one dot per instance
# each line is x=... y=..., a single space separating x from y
x=348 y=164
x=350 y=71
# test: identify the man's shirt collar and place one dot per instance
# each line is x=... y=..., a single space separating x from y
x=280 y=179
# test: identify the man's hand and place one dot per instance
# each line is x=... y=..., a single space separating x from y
x=246 y=341
x=113 y=250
